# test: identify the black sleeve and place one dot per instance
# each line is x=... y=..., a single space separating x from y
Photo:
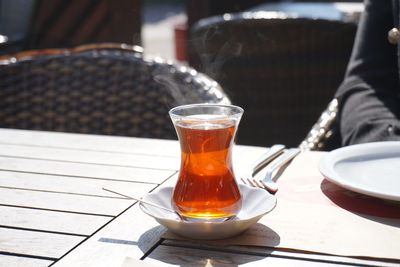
x=369 y=97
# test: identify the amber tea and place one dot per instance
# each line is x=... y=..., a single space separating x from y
x=206 y=187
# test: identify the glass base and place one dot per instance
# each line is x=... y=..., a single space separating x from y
x=207 y=219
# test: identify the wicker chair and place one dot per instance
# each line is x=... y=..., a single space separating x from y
x=324 y=134
x=282 y=70
x=99 y=89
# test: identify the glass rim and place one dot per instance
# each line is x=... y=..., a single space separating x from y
x=238 y=109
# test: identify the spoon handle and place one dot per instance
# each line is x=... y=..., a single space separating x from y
x=140 y=200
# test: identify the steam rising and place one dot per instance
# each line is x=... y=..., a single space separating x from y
x=213 y=61
x=172 y=88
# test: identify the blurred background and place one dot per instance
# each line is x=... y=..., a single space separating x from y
x=160 y=26
x=282 y=61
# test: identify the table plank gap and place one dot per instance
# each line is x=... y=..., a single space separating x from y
x=62 y=192
x=55 y=210
x=98 y=230
x=67 y=202
x=83 y=170
x=71 y=185
x=183 y=256
x=86 y=162
x=36 y=243
x=123 y=236
x=280 y=253
x=41 y=231
x=56 y=222
x=74 y=176
x=268 y=253
x=152 y=248
x=16 y=259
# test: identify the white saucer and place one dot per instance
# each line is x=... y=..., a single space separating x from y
x=256 y=203
x=372 y=168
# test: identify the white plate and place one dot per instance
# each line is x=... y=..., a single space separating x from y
x=256 y=203
x=372 y=168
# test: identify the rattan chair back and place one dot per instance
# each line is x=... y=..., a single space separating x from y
x=99 y=89
x=282 y=70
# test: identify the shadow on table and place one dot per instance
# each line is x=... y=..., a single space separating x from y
x=184 y=252
x=379 y=210
x=146 y=240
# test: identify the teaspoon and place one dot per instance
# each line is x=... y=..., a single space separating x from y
x=145 y=202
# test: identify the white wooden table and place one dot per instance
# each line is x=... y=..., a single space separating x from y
x=53 y=209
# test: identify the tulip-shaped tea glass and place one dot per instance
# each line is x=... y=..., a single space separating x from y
x=206 y=188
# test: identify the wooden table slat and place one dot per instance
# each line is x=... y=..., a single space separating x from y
x=71 y=185
x=84 y=170
x=132 y=233
x=36 y=243
x=118 y=144
x=51 y=200
x=62 y=222
x=92 y=157
x=63 y=202
x=18 y=261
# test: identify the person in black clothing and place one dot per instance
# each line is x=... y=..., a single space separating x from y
x=369 y=97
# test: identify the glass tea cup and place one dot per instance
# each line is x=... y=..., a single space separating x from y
x=206 y=188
